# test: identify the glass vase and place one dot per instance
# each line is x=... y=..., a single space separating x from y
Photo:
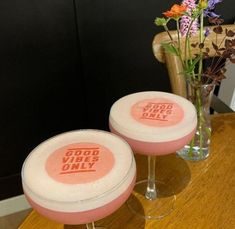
x=200 y=93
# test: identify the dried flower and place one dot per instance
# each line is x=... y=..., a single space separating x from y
x=216 y=20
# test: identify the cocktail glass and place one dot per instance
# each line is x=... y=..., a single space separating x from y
x=153 y=123
x=79 y=177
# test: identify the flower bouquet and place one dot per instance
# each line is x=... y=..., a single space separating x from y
x=201 y=76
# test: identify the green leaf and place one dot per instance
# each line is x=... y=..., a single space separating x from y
x=191 y=65
x=170 y=48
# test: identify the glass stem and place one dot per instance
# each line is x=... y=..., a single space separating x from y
x=151 y=192
x=90 y=225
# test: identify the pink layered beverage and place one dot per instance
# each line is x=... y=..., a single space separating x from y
x=80 y=176
x=154 y=123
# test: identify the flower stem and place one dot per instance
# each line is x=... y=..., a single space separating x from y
x=179 y=42
x=201 y=40
x=192 y=142
x=200 y=117
x=187 y=49
x=168 y=32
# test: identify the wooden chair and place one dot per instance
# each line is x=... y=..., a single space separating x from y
x=174 y=66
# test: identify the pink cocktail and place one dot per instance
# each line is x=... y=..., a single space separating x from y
x=153 y=123
x=80 y=176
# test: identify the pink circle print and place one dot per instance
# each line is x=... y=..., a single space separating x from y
x=79 y=163
x=157 y=112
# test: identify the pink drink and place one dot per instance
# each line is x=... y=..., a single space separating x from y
x=154 y=123
x=79 y=176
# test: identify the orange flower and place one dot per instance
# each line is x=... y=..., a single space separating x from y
x=176 y=11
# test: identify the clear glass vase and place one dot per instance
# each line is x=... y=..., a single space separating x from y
x=200 y=93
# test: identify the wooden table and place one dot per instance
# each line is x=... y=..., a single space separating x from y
x=205 y=190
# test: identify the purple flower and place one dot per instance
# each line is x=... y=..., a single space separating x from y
x=207 y=32
x=190 y=4
x=186 y=20
x=209 y=11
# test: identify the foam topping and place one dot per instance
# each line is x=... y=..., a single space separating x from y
x=153 y=116
x=78 y=170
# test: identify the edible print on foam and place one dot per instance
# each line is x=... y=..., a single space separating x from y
x=79 y=163
x=158 y=112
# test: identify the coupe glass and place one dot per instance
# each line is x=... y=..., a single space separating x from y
x=79 y=177
x=153 y=123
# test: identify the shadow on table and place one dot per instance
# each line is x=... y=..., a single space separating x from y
x=170 y=169
x=122 y=218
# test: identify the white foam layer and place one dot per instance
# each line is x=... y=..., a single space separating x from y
x=122 y=121
x=49 y=193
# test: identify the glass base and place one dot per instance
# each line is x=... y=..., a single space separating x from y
x=87 y=226
x=193 y=154
x=93 y=226
x=98 y=227
x=151 y=209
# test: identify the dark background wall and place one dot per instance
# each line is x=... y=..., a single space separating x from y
x=64 y=62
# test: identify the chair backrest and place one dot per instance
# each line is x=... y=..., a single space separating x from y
x=172 y=62
x=227 y=87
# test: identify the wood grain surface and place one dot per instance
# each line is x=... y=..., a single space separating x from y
x=205 y=190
